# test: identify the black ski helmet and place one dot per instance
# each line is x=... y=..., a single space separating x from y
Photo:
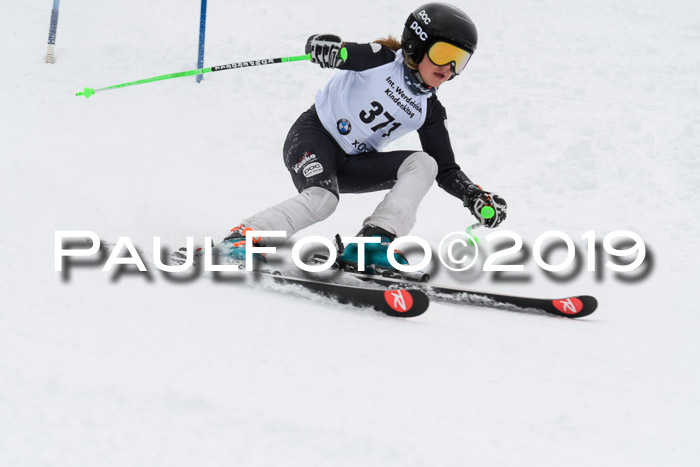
x=437 y=21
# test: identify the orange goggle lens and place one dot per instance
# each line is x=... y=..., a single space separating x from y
x=443 y=53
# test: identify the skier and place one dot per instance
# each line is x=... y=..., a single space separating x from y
x=384 y=90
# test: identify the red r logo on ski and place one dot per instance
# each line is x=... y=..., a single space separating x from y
x=570 y=306
x=399 y=300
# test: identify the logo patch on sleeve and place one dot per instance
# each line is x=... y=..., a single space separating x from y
x=312 y=169
x=303 y=160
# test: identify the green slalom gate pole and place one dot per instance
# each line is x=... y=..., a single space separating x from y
x=87 y=92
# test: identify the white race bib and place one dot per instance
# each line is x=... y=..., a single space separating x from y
x=366 y=110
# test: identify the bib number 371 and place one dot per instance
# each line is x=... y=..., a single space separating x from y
x=368 y=116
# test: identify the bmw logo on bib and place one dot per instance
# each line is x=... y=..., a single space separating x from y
x=344 y=126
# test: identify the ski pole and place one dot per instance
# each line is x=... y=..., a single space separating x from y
x=87 y=92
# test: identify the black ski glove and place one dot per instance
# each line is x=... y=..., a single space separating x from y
x=476 y=199
x=325 y=50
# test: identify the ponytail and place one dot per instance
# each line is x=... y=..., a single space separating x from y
x=394 y=44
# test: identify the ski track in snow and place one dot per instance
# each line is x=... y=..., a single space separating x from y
x=583 y=115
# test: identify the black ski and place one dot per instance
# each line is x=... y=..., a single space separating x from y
x=568 y=307
x=396 y=301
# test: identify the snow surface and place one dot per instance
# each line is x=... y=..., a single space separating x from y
x=584 y=115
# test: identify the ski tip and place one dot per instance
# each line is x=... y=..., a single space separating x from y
x=403 y=303
x=575 y=307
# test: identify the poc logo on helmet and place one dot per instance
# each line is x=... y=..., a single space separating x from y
x=424 y=16
x=419 y=31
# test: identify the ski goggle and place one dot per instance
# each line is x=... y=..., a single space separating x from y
x=443 y=53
